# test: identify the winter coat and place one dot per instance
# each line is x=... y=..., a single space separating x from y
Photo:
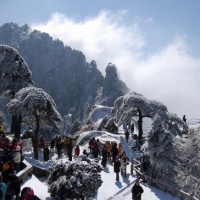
x=132 y=128
x=99 y=144
x=3 y=190
x=117 y=165
x=7 y=169
x=124 y=162
x=114 y=151
x=13 y=186
x=104 y=157
x=104 y=153
x=95 y=150
x=137 y=190
x=59 y=146
x=90 y=144
x=127 y=134
x=108 y=147
x=17 y=157
x=7 y=155
x=46 y=153
x=65 y=141
x=70 y=148
x=52 y=144
x=42 y=142
x=77 y=151
x=14 y=145
x=120 y=149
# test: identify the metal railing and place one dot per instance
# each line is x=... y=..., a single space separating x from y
x=26 y=172
x=193 y=121
x=136 y=166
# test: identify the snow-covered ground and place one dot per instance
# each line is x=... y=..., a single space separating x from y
x=109 y=187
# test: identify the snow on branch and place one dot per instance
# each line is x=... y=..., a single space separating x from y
x=77 y=179
x=31 y=101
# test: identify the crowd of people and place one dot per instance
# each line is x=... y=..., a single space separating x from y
x=10 y=164
x=59 y=145
x=109 y=152
x=11 y=160
x=113 y=153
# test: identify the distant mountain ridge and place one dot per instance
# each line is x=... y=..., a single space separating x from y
x=63 y=72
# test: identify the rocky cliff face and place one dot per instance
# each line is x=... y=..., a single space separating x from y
x=64 y=73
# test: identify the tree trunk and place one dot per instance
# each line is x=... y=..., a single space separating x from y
x=18 y=128
x=140 y=126
x=13 y=124
x=36 y=144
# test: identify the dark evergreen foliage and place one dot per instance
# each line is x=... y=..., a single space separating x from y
x=79 y=179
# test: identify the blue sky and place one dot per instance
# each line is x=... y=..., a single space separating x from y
x=154 y=43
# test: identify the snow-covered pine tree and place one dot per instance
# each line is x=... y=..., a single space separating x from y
x=171 y=146
x=188 y=177
x=174 y=156
x=135 y=104
x=14 y=75
x=37 y=109
x=74 y=179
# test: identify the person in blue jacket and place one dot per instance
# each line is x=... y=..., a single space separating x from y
x=2 y=188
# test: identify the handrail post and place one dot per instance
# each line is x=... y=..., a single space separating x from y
x=191 y=196
x=132 y=166
x=143 y=177
x=157 y=183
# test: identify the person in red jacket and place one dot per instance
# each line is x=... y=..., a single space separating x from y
x=42 y=142
x=77 y=150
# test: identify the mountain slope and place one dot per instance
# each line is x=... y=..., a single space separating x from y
x=62 y=72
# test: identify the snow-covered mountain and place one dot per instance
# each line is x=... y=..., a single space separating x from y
x=74 y=84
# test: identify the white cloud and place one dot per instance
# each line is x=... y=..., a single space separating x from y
x=102 y=38
x=169 y=75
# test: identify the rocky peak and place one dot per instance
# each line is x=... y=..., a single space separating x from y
x=111 y=71
x=63 y=72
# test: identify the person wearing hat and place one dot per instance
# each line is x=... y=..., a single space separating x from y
x=27 y=193
x=137 y=191
x=17 y=159
x=7 y=169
